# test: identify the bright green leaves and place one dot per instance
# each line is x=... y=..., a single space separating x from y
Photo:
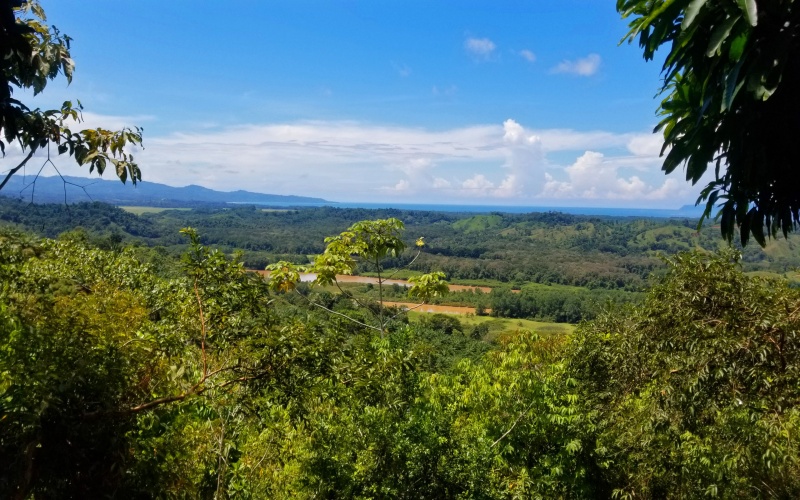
x=697 y=384
x=427 y=286
x=98 y=147
x=376 y=239
x=510 y=424
x=750 y=10
x=283 y=276
x=729 y=76
x=370 y=241
x=691 y=13
x=366 y=243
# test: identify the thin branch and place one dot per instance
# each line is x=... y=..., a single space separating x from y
x=33 y=183
x=346 y=316
x=338 y=313
x=406 y=310
x=137 y=339
x=65 y=182
x=195 y=390
x=167 y=399
x=404 y=267
x=348 y=294
x=512 y=425
x=203 y=330
x=15 y=170
x=380 y=294
x=62 y=177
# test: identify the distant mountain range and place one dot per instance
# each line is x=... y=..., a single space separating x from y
x=80 y=189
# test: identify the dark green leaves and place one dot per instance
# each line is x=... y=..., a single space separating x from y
x=730 y=77
x=720 y=34
x=691 y=13
x=750 y=10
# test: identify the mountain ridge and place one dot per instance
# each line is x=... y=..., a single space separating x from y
x=79 y=189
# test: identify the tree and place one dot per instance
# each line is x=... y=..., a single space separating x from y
x=34 y=53
x=369 y=242
x=695 y=391
x=730 y=79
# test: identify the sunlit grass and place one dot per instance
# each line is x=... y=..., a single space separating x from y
x=136 y=210
x=500 y=326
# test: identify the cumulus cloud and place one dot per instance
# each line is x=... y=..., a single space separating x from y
x=477 y=185
x=525 y=160
x=340 y=160
x=593 y=176
x=586 y=66
x=480 y=47
x=646 y=145
x=527 y=55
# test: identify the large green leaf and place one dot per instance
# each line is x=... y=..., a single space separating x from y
x=750 y=10
x=720 y=34
x=691 y=13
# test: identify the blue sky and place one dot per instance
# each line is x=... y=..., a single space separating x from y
x=481 y=102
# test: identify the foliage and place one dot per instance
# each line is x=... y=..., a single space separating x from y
x=99 y=358
x=115 y=381
x=371 y=242
x=561 y=305
x=730 y=77
x=509 y=426
x=77 y=341
x=696 y=391
x=33 y=54
x=589 y=252
x=427 y=286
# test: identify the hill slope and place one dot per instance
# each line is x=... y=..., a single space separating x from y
x=81 y=189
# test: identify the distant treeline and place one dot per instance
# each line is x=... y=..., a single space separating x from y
x=598 y=253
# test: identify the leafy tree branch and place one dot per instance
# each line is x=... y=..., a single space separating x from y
x=33 y=54
x=368 y=242
x=731 y=75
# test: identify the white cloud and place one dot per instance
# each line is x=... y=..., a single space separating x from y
x=586 y=66
x=646 y=145
x=509 y=188
x=524 y=160
x=480 y=47
x=477 y=185
x=110 y=122
x=340 y=160
x=528 y=55
x=593 y=176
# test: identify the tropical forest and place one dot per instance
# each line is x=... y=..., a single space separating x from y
x=218 y=350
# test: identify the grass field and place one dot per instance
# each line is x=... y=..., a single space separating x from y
x=791 y=276
x=499 y=326
x=149 y=210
